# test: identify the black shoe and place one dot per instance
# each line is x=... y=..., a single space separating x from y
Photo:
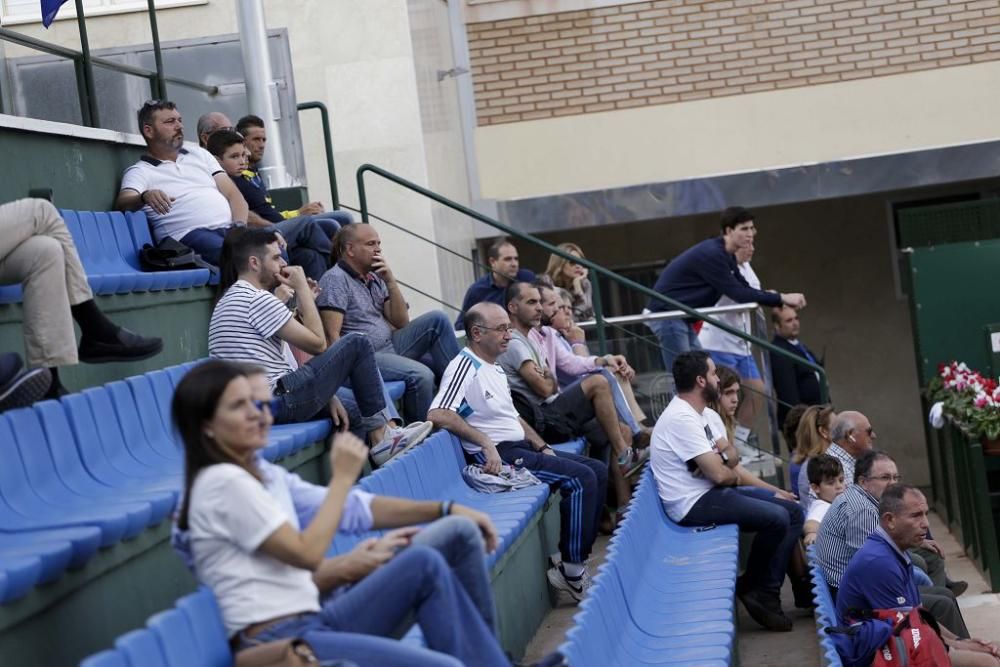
x=26 y=388
x=957 y=587
x=126 y=346
x=802 y=590
x=762 y=610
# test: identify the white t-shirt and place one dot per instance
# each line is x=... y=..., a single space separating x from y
x=479 y=393
x=230 y=516
x=715 y=423
x=713 y=338
x=680 y=435
x=190 y=180
x=244 y=327
x=817 y=510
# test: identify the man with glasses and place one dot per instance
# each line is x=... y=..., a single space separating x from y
x=853 y=436
x=210 y=123
x=853 y=517
x=360 y=295
x=474 y=403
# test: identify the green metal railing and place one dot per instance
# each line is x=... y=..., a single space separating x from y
x=85 y=62
x=595 y=268
x=331 y=168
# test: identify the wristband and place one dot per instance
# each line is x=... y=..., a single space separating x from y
x=446 y=507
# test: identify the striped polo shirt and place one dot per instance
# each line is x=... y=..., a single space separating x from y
x=852 y=517
x=244 y=327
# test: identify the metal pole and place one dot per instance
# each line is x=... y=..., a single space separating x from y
x=161 y=84
x=257 y=72
x=331 y=170
x=602 y=342
x=91 y=118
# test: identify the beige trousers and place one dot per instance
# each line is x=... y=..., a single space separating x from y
x=37 y=250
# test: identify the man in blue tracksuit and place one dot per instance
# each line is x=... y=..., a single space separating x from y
x=703 y=273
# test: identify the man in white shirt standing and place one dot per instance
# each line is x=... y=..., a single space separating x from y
x=698 y=487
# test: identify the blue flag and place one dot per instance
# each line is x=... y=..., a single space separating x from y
x=49 y=10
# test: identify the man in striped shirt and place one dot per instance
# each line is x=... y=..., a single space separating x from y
x=854 y=516
x=475 y=404
x=250 y=324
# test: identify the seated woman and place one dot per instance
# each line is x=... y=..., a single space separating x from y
x=240 y=524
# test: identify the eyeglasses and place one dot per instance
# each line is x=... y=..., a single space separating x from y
x=271 y=406
x=503 y=328
x=888 y=478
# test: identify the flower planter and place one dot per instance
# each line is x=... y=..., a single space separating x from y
x=990 y=447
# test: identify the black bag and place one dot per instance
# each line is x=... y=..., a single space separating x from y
x=545 y=425
x=171 y=255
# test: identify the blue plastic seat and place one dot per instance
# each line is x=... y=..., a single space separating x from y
x=141 y=649
x=205 y=618
x=11 y=294
x=54 y=555
x=83 y=540
x=98 y=251
x=176 y=638
x=54 y=491
x=826 y=609
x=22 y=509
x=21 y=574
x=572 y=447
x=146 y=410
x=120 y=429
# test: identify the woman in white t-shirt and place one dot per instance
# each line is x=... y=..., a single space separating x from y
x=248 y=547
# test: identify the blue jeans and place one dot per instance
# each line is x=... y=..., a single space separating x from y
x=308 y=245
x=778 y=524
x=744 y=364
x=428 y=335
x=350 y=401
x=331 y=221
x=356 y=625
x=675 y=336
x=305 y=394
x=621 y=405
x=206 y=242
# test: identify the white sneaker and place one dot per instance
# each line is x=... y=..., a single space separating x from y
x=398 y=440
x=576 y=587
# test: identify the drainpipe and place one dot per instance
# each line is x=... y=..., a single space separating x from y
x=259 y=83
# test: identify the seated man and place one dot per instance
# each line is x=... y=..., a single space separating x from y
x=571 y=367
x=474 y=403
x=880 y=574
x=504 y=269
x=254 y=190
x=187 y=196
x=36 y=250
x=698 y=487
x=360 y=295
x=585 y=408
x=854 y=516
x=210 y=123
x=251 y=325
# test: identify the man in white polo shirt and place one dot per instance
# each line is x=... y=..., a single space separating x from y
x=187 y=196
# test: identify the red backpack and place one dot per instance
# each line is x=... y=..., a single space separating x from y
x=915 y=640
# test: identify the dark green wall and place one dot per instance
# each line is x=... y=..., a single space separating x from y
x=83 y=173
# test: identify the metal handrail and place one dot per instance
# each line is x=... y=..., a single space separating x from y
x=595 y=268
x=331 y=169
x=671 y=314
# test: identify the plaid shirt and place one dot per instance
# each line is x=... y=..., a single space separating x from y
x=852 y=517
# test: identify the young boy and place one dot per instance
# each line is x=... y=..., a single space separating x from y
x=826 y=479
x=229 y=149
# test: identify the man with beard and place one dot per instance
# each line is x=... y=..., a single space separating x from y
x=251 y=325
x=188 y=196
x=699 y=486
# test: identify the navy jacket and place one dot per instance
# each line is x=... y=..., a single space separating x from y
x=485 y=290
x=793 y=383
x=700 y=275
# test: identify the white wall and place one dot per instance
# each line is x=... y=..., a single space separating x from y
x=749 y=132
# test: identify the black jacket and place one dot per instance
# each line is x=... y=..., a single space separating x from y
x=793 y=383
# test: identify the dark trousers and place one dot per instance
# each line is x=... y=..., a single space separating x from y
x=777 y=524
x=583 y=483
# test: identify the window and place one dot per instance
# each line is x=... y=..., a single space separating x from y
x=13 y=12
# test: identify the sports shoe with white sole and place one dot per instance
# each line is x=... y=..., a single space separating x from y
x=576 y=587
x=397 y=440
x=25 y=389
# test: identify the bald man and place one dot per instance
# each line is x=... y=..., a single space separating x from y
x=210 y=122
x=360 y=295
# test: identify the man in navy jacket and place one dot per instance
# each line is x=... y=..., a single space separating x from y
x=703 y=273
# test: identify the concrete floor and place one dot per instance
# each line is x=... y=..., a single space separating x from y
x=759 y=648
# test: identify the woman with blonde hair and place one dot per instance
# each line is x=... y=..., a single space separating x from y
x=812 y=439
x=572 y=276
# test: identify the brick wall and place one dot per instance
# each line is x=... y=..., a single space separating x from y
x=669 y=51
